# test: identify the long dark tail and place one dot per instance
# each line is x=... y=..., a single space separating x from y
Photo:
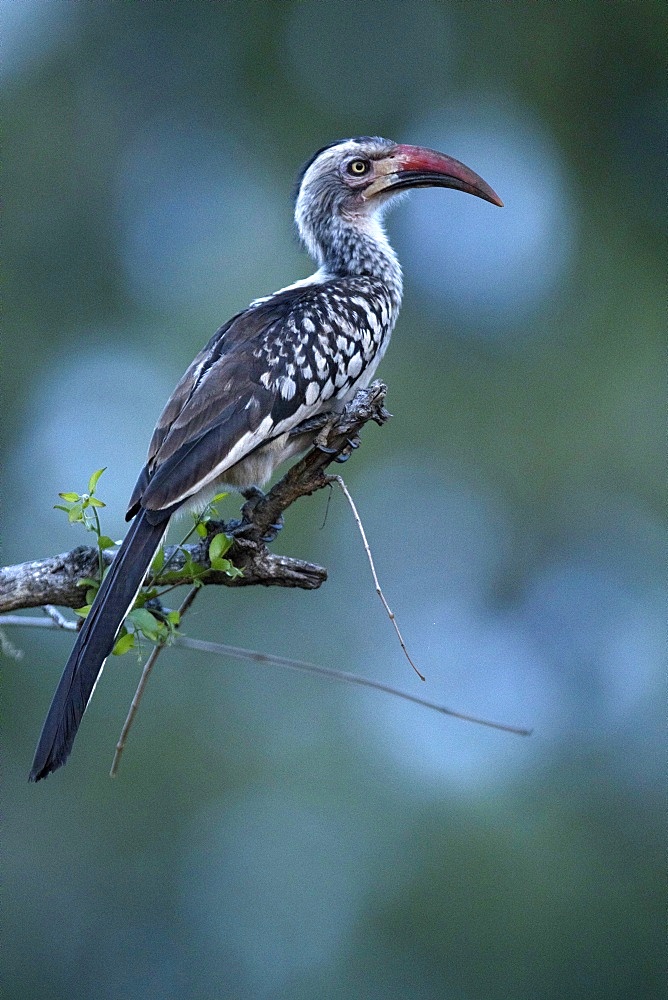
x=94 y=643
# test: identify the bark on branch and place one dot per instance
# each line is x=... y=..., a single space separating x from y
x=54 y=580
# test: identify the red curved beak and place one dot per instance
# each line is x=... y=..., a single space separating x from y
x=415 y=166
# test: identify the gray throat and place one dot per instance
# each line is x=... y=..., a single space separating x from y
x=357 y=248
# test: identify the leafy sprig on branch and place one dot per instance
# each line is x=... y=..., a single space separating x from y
x=154 y=622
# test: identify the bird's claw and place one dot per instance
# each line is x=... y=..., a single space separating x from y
x=252 y=493
x=237 y=528
x=352 y=445
x=340 y=454
x=273 y=530
x=245 y=526
x=252 y=496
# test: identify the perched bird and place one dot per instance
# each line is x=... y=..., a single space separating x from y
x=302 y=351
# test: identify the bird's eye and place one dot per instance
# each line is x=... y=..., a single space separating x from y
x=359 y=167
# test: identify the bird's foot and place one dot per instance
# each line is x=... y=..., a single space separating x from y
x=340 y=454
x=273 y=530
x=252 y=493
x=352 y=445
x=243 y=529
x=321 y=439
x=245 y=526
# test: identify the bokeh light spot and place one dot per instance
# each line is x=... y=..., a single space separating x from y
x=486 y=269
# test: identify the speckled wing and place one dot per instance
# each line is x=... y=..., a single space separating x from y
x=269 y=368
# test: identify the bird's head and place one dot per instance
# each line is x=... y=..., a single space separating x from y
x=353 y=179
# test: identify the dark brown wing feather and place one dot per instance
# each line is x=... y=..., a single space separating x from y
x=220 y=399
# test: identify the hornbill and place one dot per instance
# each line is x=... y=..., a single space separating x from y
x=302 y=351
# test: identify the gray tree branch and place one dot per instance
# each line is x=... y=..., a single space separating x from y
x=55 y=580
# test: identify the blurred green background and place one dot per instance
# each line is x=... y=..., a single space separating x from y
x=274 y=836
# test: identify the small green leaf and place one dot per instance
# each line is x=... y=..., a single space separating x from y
x=75 y=513
x=200 y=528
x=105 y=542
x=147 y=623
x=124 y=644
x=94 y=502
x=173 y=617
x=234 y=572
x=70 y=497
x=219 y=496
x=82 y=612
x=219 y=546
x=91 y=594
x=87 y=581
x=141 y=617
x=159 y=560
x=94 y=479
x=191 y=569
x=59 y=506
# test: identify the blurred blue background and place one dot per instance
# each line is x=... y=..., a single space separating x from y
x=274 y=836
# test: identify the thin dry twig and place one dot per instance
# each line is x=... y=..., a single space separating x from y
x=300 y=666
x=141 y=687
x=367 y=549
x=31 y=622
x=57 y=616
x=340 y=675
